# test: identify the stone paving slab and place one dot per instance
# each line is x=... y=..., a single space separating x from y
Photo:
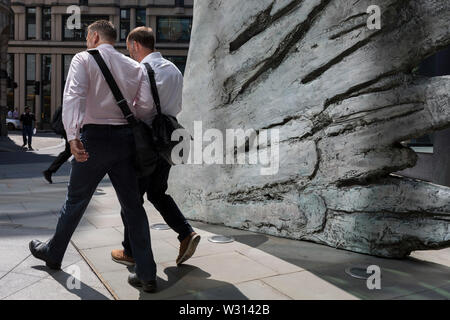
x=256 y=289
x=23 y=277
x=305 y=285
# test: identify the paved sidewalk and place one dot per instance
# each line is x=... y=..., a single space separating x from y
x=41 y=141
x=28 y=210
x=255 y=266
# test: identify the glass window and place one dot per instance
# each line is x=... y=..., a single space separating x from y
x=46 y=24
x=179 y=3
x=31 y=23
x=30 y=81
x=174 y=29
x=11 y=28
x=179 y=61
x=124 y=23
x=46 y=83
x=140 y=17
x=80 y=34
x=67 y=59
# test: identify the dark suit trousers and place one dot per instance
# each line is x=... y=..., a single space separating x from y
x=61 y=158
x=155 y=186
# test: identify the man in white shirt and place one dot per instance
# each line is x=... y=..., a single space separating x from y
x=105 y=145
x=169 y=82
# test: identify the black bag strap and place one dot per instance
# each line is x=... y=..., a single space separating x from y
x=121 y=101
x=151 y=76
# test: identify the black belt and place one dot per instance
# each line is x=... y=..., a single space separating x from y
x=105 y=126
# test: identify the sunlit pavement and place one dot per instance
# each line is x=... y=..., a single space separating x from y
x=254 y=266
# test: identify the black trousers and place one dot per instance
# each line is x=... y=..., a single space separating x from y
x=27 y=132
x=61 y=158
x=155 y=186
x=111 y=151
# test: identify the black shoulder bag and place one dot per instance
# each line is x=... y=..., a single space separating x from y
x=163 y=125
x=146 y=156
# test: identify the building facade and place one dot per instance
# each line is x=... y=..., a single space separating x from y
x=44 y=41
x=5 y=21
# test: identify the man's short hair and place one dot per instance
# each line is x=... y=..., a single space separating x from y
x=105 y=29
x=143 y=35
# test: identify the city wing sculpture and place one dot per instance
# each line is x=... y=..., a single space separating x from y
x=335 y=80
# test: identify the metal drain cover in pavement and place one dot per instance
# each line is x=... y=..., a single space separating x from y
x=160 y=226
x=358 y=271
x=220 y=239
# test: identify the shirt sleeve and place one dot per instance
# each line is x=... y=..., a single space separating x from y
x=74 y=99
x=143 y=103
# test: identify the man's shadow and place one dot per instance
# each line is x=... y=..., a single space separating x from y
x=198 y=286
x=85 y=292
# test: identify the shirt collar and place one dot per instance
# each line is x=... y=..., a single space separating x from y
x=105 y=46
x=152 y=56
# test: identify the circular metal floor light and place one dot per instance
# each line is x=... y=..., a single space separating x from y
x=220 y=239
x=160 y=226
x=358 y=271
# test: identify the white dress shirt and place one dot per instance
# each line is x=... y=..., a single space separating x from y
x=88 y=99
x=169 y=82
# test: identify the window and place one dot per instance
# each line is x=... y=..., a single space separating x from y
x=67 y=59
x=46 y=23
x=31 y=23
x=30 y=81
x=179 y=3
x=174 y=29
x=10 y=74
x=179 y=61
x=80 y=34
x=46 y=82
x=11 y=28
x=141 y=16
x=124 y=23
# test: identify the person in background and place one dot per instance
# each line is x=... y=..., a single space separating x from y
x=10 y=114
x=15 y=114
x=28 y=119
x=58 y=127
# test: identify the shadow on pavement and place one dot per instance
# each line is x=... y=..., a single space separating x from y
x=21 y=157
x=85 y=292
x=198 y=279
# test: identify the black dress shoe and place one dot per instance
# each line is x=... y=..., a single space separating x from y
x=48 y=176
x=37 y=250
x=147 y=286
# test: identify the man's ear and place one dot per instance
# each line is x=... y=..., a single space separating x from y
x=96 y=37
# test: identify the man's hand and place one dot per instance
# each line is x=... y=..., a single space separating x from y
x=78 y=151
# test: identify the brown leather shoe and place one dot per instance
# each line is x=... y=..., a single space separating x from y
x=119 y=256
x=187 y=247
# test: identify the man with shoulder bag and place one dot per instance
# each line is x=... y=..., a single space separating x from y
x=166 y=82
x=106 y=145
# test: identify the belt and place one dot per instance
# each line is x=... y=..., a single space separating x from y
x=105 y=126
